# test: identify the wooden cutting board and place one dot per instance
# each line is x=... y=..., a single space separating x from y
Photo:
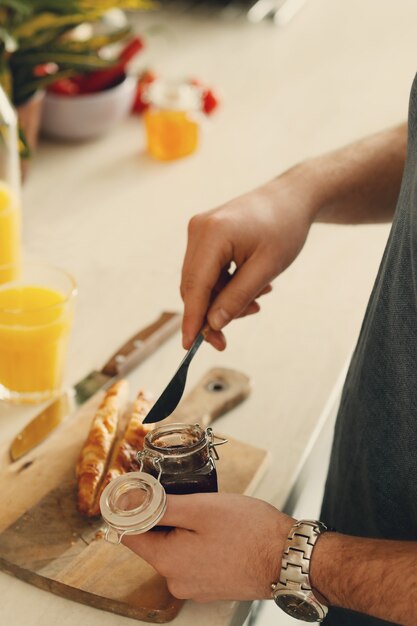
x=46 y=542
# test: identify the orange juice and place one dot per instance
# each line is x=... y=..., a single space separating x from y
x=9 y=233
x=170 y=134
x=35 y=323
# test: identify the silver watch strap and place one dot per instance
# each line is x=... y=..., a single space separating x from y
x=297 y=555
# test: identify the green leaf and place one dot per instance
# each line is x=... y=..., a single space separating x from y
x=17 y=5
x=24 y=150
x=95 y=43
x=27 y=89
x=6 y=78
x=41 y=40
x=31 y=58
x=29 y=27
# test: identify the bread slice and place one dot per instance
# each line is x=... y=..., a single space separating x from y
x=123 y=459
x=94 y=456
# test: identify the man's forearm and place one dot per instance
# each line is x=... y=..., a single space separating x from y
x=358 y=183
x=372 y=576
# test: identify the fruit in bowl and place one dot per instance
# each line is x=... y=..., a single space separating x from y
x=89 y=105
x=87 y=115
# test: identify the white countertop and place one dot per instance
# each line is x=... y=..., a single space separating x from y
x=117 y=220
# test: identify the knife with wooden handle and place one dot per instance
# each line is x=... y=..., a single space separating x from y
x=127 y=357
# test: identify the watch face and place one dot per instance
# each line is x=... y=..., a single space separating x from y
x=297 y=606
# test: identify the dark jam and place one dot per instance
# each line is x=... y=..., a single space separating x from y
x=203 y=480
x=179 y=455
x=182 y=454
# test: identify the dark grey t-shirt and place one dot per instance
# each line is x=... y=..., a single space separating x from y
x=371 y=488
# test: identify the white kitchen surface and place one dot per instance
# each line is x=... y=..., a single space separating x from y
x=305 y=499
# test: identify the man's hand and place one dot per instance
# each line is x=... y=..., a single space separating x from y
x=229 y=547
x=222 y=546
x=260 y=233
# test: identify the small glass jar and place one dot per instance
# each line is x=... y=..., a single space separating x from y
x=176 y=459
x=172 y=121
x=181 y=456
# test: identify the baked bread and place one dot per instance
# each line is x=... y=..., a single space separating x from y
x=93 y=460
x=123 y=459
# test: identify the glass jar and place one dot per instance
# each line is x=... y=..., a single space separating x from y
x=10 y=245
x=176 y=459
x=36 y=314
x=181 y=456
x=172 y=121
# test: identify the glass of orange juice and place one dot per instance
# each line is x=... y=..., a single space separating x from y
x=36 y=311
x=9 y=232
x=10 y=244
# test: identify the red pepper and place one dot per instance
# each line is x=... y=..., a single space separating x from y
x=131 y=50
x=139 y=105
x=45 y=69
x=102 y=79
x=64 y=87
x=210 y=101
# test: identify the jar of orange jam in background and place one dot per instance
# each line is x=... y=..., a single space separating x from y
x=173 y=119
x=10 y=244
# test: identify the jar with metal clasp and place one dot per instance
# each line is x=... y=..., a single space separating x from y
x=176 y=459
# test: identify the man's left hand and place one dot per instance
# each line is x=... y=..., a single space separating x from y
x=221 y=546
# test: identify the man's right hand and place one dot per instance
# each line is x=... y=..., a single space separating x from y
x=259 y=234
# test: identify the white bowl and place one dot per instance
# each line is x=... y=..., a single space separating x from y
x=86 y=116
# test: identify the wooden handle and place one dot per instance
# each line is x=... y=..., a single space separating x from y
x=142 y=344
x=219 y=391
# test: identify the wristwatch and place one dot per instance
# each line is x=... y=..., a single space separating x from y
x=293 y=592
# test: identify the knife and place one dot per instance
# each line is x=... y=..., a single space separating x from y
x=172 y=394
x=127 y=357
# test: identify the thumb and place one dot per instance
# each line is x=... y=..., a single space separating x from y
x=244 y=287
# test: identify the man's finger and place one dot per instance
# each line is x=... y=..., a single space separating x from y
x=147 y=544
x=265 y=290
x=217 y=339
x=254 y=306
x=251 y=309
x=181 y=512
x=194 y=229
x=197 y=287
x=246 y=283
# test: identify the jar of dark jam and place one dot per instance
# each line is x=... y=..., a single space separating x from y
x=182 y=456
x=176 y=459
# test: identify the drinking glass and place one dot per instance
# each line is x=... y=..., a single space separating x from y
x=36 y=312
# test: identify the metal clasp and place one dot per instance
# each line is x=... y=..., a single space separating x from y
x=212 y=444
x=156 y=460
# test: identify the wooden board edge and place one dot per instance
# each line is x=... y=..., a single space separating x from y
x=259 y=475
x=84 y=597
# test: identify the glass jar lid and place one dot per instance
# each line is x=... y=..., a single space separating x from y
x=132 y=504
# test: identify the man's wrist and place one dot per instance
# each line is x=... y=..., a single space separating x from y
x=304 y=180
x=323 y=564
x=293 y=591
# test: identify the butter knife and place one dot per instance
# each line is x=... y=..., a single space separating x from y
x=172 y=394
x=127 y=357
